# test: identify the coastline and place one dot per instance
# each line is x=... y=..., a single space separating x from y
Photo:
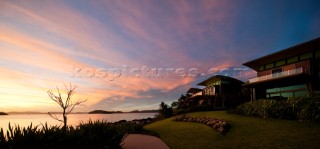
x=143 y=121
x=74 y=119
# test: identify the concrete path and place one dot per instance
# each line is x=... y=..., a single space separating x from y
x=139 y=141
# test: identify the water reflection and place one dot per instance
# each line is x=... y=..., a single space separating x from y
x=73 y=119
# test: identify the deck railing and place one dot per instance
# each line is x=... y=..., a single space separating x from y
x=280 y=74
x=197 y=94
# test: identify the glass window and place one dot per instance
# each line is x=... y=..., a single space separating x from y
x=280 y=63
x=261 y=68
x=269 y=66
x=289 y=94
x=288 y=88
x=303 y=86
x=275 y=95
x=306 y=56
x=209 y=90
x=271 y=90
x=292 y=59
x=225 y=82
x=300 y=93
x=213 y=83
x=318 y=53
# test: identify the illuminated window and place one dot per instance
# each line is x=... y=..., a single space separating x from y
x=306 y=56
x=269 y=66
x=280 y=63
x=292 y=60
x=289 y=91
x=300 y=93
x=318 y=53
x=261 y=68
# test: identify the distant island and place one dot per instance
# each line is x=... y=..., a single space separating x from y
x=103 y=112
x=112 y=112
x=2 y=113
x=144 y=111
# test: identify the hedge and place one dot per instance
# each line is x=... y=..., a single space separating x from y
x=303 y=108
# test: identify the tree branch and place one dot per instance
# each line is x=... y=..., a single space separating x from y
x=54 y=116
x=71 y=107
x=55 y=98
x=67 y=105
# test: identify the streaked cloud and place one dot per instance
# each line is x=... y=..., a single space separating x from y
x=44 y=43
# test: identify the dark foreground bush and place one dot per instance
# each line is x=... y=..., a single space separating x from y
x=87 y=135
x=305 y=108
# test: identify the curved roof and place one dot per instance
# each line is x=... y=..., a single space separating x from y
x=220 y=77
x=194 y=90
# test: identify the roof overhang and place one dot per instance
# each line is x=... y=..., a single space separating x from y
x=194 y=90
x=283 y=54
x=219 y=77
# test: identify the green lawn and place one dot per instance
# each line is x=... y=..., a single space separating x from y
x=246 y=132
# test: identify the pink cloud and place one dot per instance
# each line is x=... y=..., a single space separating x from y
x=68 y=36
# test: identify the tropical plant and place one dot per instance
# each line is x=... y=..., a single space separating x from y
x=165 y=111
x=182 y=102
x=93 y=134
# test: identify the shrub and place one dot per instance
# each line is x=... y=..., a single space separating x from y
x=306 y=108
x=95 y=134
x=165 y=111
x=99 y=135
x=134 y=128
x=309 y=108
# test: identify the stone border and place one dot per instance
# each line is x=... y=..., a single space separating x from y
x=220 y=125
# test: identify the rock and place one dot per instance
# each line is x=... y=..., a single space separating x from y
x=220 y=125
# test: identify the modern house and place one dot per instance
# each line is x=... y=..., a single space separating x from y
x=291 y=72
x=194 y=97
x=219 y=91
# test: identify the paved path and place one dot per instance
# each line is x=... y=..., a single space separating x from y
x=138 y=141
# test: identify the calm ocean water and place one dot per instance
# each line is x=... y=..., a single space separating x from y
x=73 y=119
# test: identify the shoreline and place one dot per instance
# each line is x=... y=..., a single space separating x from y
x=143 y=121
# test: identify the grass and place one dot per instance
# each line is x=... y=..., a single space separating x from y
x=245 y=132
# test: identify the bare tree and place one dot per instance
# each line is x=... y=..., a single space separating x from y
x=67 y=105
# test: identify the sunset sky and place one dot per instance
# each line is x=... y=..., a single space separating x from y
x=133 y=54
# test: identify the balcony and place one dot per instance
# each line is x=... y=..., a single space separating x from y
x=295 y=71
x=197 y=94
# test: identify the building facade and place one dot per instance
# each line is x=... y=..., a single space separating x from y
x=193 y=92
x=221 y=91
x=291 y=72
